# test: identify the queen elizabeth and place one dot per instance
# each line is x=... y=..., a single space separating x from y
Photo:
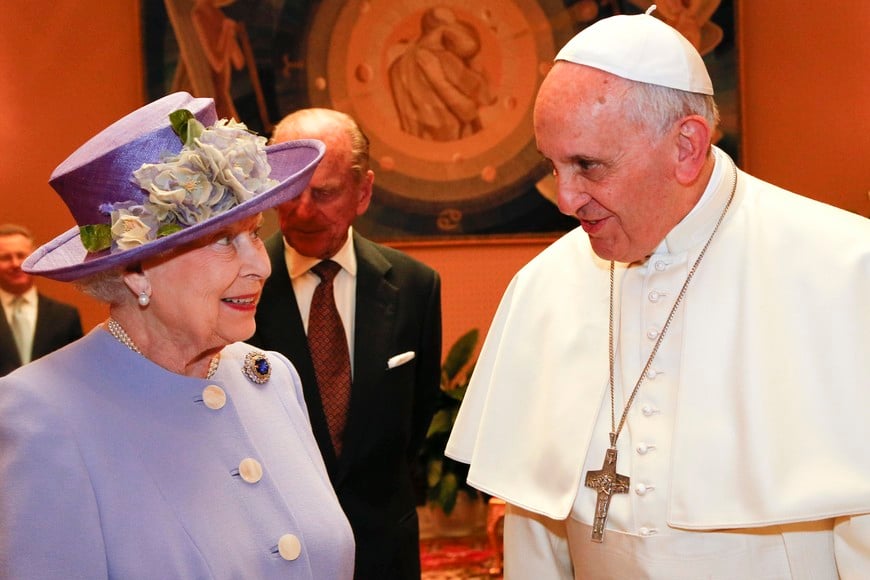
x=159 y=445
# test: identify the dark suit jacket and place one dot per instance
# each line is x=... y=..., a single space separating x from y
x=57 y=325
x=398 y=309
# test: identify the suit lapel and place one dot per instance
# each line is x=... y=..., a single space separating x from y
x=376 y=304
x=280 y=328
x=46 y=317
x=9 y=358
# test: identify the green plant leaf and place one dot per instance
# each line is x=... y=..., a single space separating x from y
x=459 y=354
x=433 y=472
x=442 y=422
x=444 y=476
x=458 y=393
x=447 y=492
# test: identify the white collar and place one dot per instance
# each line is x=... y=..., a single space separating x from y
x=297 y=264
x=695 y=228
x=30 y=297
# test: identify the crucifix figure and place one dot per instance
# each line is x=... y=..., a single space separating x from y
x=606 y=482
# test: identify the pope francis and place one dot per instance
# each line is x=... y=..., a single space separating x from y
x=679 y=387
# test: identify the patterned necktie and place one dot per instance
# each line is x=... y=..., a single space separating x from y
x=329 y=352
x=19 y=329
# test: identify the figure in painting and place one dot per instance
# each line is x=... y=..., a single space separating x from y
x=437 y=88
x=691 y=18
x=218 y=35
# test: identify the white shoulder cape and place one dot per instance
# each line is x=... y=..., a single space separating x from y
x=773 y=420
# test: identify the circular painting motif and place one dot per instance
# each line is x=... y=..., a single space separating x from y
x=445 y=94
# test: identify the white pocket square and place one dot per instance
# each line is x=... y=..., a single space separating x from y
x=400 y=359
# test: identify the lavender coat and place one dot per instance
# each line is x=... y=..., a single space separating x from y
x=112 y=467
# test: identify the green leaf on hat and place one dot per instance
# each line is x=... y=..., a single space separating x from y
x=186 y=130
x=167 y=229
x=96 y=238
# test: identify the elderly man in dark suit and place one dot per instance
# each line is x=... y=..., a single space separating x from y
x=33 y=324
x=371 y=391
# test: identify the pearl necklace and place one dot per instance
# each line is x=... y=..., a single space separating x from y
x=116 y=330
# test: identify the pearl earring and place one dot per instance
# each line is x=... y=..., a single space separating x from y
x=144 y=299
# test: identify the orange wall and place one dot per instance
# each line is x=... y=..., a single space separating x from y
x=806 y=95
x=68 y=69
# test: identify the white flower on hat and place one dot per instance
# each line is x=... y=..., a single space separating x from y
x=132 y=226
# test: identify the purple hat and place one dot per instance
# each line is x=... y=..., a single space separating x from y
x=137 y=188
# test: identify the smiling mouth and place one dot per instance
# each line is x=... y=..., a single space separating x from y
x=243 y=301
x=592 y=226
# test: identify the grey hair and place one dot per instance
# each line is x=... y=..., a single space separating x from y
x=657 y=108
x=107 y=286
x=297 y=124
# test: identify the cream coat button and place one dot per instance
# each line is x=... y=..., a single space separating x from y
x=651 y=374
x=648 y=410
x=654 y=296
x=289 y=547
x=652 y=333
x=645 y=531
x=660 y=266
x=250 y=470
x=214 y=397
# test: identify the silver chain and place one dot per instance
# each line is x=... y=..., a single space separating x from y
x=617 y=429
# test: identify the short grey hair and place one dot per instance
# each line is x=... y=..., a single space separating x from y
x=657 y=108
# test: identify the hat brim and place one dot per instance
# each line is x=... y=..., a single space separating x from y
x=65 y=258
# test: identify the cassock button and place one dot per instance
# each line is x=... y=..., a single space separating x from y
x=641 y=489
x=250 y=470
x=214 y=397
x=644 y=448
x=289 y=547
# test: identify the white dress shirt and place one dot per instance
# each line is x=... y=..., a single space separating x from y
x=28 y=312
x=304 y=282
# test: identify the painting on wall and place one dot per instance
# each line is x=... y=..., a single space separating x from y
x=443 y=89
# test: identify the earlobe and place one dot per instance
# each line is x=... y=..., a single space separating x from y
x=693 y=145
x=137 y=282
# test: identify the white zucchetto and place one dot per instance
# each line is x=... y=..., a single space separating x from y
x=640 y=48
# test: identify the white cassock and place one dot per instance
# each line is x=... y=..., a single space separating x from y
x=748 y=445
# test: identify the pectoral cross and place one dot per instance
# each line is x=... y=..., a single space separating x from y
x=606 y=482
